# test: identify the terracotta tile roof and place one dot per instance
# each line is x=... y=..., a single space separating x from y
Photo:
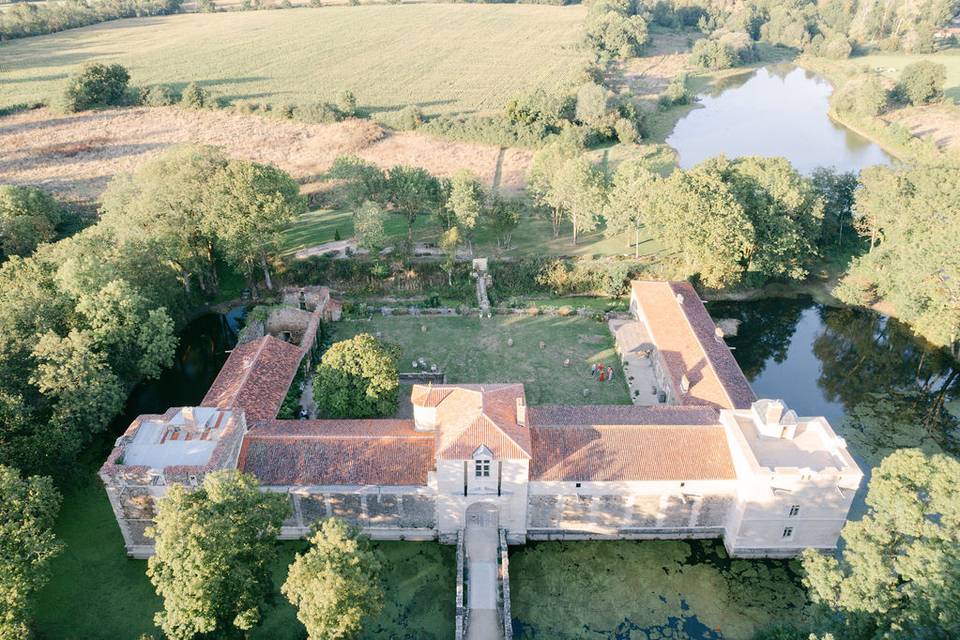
x=255 y=378
x=559 y=415
x=684 y=335
x=471 y=415
x=337 y=452
x=614 y=453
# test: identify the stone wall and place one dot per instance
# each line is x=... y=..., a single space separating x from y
x=611 y=513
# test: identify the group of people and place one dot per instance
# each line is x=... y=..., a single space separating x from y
x=601 y=372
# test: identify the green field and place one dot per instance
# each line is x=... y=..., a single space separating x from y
x=648 y=589
x=97 y=592
x=471 y=350
x=892 y=64
x=446 y=58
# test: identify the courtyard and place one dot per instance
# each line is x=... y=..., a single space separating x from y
x=507 y=349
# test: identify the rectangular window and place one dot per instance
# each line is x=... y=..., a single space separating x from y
x=482 y=469
x=794 y=510
x=788 y=533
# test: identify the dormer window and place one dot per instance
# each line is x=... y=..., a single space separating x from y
x=794 y=510
x=482 y=468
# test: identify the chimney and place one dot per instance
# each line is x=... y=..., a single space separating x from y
x=521 y=412
x=773 y=413
x=680 y=299
x=684 y=383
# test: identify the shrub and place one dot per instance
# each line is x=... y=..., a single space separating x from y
x=837 y=47
x=317 y=112
x=97 y=85
x=347 y=103
x=626 y=131
x=409 y=118
x=206 y=6
x=676 y=92
x=196 y=97
x=158 y=95
x=865 y=97
x=728 y=50
x=922 y=82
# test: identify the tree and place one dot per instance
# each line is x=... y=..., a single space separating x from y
x=611 y=33
x=546 y=165
x=247 y=207
x=449 y=243
x=28 y=217
x=632 y=187
x=362 y=181
x=865 y=97
x=162 y=208
x=592 y=103
x=96 y=85
x=504 y=218
x=28 y=510
x=466 y=204
x=694 y=215
x=836 y=189
x=368 y=226
x=412 y=191
x=214 y=548
x=579 y=191
x=899 y=572
x=347 y=103
x=357 y=378
x=922 y=82
x=335 y=585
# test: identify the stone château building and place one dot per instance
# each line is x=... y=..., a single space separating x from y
x=706 y=459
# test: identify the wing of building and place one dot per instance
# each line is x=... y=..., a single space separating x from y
x=697 y=456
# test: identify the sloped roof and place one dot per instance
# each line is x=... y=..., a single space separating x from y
x=471 y=415
x=337 y=452
x=255 y=378
x=685 y=337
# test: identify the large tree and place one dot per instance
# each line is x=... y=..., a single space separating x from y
x=546 y=166
x=214 y=548
x=412 y=191
x=632 y=187
x=28 y=510
x=335 y=585
x=898 y=574
x=28 y=217
x=466 y=203
x=247 y=206
x=357 y=378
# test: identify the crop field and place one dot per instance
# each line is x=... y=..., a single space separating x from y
x=446 y=58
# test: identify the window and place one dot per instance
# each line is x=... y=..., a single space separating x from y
x=788 y=533
x=794 y=510
x=482 y=468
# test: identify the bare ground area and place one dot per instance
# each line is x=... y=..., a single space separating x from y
x=941 y=122
x=647 y=76
x=75 y=156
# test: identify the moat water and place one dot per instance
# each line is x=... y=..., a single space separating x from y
x=777 y=110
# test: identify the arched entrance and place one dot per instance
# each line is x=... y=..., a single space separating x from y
x=483 y=514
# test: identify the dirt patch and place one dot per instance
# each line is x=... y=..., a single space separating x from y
x=75 y=156
x=941 y=122
x=647 y=76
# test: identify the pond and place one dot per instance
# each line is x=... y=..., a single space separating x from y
x=777 y=110
x=880 y=387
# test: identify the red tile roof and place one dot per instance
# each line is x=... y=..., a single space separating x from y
x=559 y=415
x=255 y=378
x=684 y=335
x=337 y=452
x=471 y=415
x=611 y=453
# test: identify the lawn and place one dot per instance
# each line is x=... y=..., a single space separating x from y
x=471 y=350
x=446 y=58
x=533 y=237
x=647 y=589
x=97 y=592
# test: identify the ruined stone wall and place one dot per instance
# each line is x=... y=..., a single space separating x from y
x=400 y=510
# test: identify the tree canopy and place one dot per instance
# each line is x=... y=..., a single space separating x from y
x=214 y=548
x=28 y=217
x=357 y=378
x=899 y=572
x=335 y=585
x=28 y=510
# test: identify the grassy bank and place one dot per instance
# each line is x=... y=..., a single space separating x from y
x=98 y=593
x=471 y=350
x=446 y=58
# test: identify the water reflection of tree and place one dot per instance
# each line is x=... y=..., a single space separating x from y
x=892 y=384
x=764 y=333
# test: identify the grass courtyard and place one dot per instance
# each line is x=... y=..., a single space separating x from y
x=97 y=592
x=471 y=350
x=446 y=58
x=633 y=590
